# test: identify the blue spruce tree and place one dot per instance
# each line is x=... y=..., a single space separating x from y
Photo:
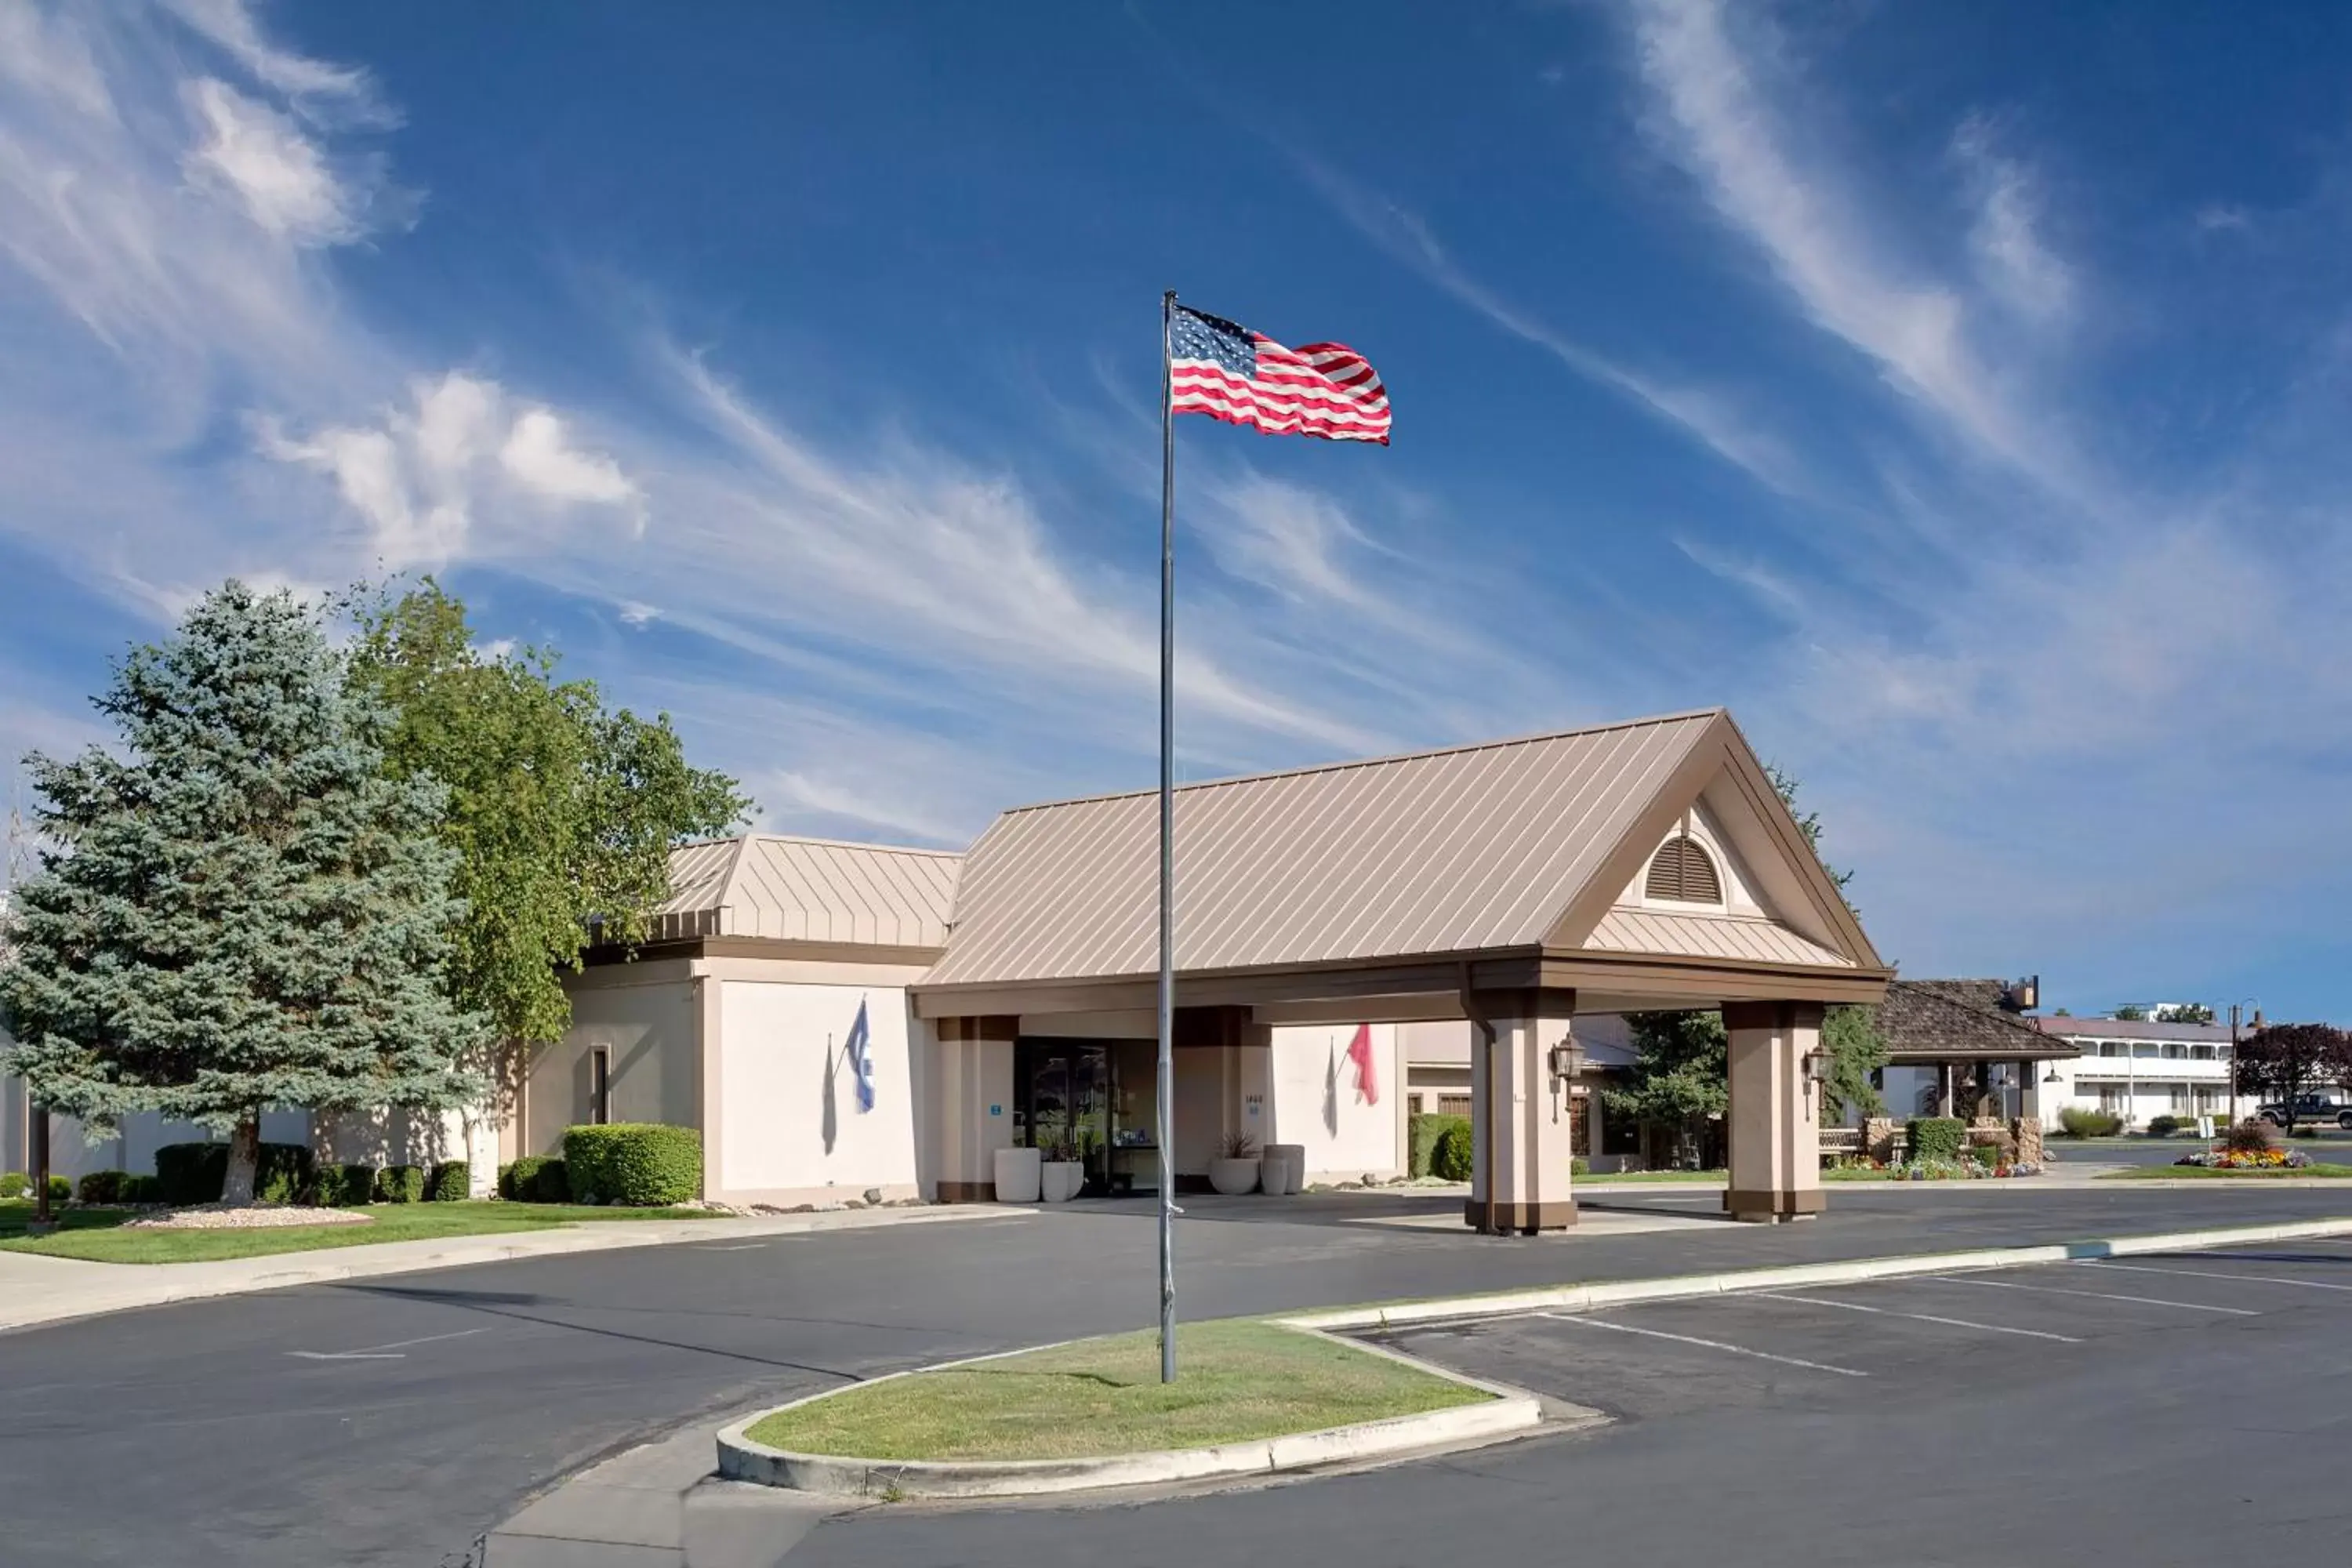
x=236 y=908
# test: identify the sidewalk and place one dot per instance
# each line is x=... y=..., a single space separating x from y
x=35 y=1289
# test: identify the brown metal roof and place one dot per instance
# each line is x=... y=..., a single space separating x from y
x=1461 y=850
x=1709 y=936
x=809 y=890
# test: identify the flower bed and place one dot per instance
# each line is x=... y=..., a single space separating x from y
x=2247 y=1160
x=1866 y=1170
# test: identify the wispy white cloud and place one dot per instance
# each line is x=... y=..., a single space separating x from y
x=1712 y=416
x=2006 y=234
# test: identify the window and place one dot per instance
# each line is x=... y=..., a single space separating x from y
x=2176 y=1053
x=1681 y=870
x=600 y=1085
x=2200 y=1053
x=2114 y=1097
x=2110 y=1048
x=1454 y=1105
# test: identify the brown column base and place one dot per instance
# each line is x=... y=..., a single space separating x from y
x=967 y=1191
x=1765 y=1205
x=1519 y=1220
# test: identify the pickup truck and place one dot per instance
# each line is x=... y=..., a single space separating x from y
x=2308 y=1110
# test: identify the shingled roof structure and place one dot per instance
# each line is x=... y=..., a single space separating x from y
x=1931 y=1020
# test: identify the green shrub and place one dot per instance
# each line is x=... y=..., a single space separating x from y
x=343 y=1186
x=400 y=1184
x=534 y=1179
x=449 y=1182
x=1455 y=1154
x=1938 y=1139
x=141 y=1190
x=2084 y=1122
x=195 y=1173
x=15 y=1183
x=2166 y=1125
x=60 y=1189
x=1579 y=1165
x=1422 y=1132
x=1986 y=1154
x=642 y=1163
x=100 y=1187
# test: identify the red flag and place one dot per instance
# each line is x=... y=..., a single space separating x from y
x=1367 y=1077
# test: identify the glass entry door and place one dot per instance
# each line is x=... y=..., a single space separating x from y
x=1062 y=1104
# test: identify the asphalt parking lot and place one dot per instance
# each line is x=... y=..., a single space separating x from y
x=1832 y=1347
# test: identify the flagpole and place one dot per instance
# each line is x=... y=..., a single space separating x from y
x=1167 y=1096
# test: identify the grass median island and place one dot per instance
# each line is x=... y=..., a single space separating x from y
x=94 y=1234
x=1236 y=1381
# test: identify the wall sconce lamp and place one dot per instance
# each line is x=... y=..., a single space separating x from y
x=1566 y=1060
x=1817 y=1069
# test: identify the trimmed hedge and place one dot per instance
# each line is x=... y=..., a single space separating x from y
x=642 y=1163
x=334 y=1186
x=534 y=1179
x=141 y=1190
x=2082 y=1121
x=2166 y=1125
x=1939 y=1138
x=15 y=1183
x=195 y=1173
x=400 y=1184
x=1454 y=1155
x=1422 y=1130
x=1986 y=1154
x=60 y=1189
x=448 y=1183
x=100 y=1187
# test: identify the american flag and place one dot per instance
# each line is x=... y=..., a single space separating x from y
x=1227 y=371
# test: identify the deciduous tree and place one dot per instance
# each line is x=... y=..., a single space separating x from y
x=2287 y=1061
x=561 y=812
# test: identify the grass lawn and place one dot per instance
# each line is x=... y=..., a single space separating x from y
x=2167 y=1172
x=1235 y=1381
x=92 y=1234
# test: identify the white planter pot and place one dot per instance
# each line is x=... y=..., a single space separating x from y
x=1059 y=1180
x=1234 y=1177
x=1018 y=1178
x=1284 y=1167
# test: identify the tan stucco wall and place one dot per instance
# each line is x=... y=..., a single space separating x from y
x=649 y=1029
x=1319 y=1104
x=790 y=1129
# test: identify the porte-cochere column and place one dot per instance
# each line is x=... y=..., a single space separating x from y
x=1774 y=1119
x=1519 y=1114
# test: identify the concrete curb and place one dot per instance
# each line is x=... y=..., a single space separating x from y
x=1624 y=1293
x=1509 y=1412
x=77 y=1288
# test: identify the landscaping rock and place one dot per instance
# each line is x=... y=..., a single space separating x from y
x=256 y=1217
x=874 y=1197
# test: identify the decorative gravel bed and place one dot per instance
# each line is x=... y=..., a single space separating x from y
x=252 y=1216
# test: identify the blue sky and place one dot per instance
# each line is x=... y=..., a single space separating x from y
x=1958 y=391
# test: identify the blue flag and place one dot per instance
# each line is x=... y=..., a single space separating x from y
x=859 y=1049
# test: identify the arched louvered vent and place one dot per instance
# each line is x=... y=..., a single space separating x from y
x=1684 y=871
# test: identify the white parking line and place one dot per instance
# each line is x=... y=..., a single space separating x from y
x=735 y=1246
x=1920 y=1317
x=2094 y=1295
x=1707 y=1344
x=393 y=1352
x=2216 y=1274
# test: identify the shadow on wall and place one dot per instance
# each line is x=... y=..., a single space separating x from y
x=391 y=1137
x=830 y=1127
x=1332 y=1087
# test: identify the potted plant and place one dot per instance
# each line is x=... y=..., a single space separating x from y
x=1234 y=1170
x=1018 y=1178
x=1062 y=1172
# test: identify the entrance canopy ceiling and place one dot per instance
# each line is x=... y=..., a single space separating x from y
x=1386 y=876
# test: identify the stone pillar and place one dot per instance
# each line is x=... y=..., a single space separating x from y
x=1776 y=1152
x=975 y=1085
x=1519 y=1115
x=1879 y=1138
x=2029 y=1092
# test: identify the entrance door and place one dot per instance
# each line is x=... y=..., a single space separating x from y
x=1062 y=1102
